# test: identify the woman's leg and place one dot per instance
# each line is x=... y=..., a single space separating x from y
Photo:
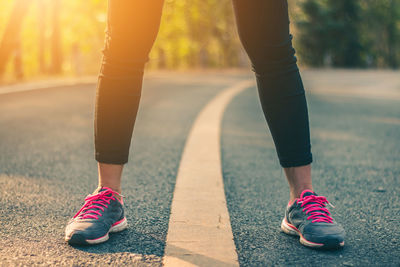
x=264 y=31
x=263 y=27
x=131 y=31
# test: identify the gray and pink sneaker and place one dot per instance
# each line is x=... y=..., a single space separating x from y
x=101 y=214
x=309 y=218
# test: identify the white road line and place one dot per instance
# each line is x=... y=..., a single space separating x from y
x=199 y=232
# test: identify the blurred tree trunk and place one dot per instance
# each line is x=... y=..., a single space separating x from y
x=392 y=35
x=12 y=31
x=42 y=28
x=18 y=66
x=56 y=53
x=345 y=20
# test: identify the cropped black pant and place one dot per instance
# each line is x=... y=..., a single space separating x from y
x=263 y=27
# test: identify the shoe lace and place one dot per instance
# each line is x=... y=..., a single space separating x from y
x=95 y=203
x=316 y=207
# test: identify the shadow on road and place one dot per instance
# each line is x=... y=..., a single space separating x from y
x=295 y=240
x=130 y=241
x=127 y=241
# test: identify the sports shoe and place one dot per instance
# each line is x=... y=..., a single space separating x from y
x=101 y=214
x=309 y=218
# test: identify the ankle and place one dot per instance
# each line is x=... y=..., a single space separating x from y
x=109 y=175
x=296 y=192
x=299 y=179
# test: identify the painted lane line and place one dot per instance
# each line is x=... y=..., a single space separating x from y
x=199 y=232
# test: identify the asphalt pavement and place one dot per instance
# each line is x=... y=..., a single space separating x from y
x=47 y=168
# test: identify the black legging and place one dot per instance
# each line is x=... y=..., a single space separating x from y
x=263 y=27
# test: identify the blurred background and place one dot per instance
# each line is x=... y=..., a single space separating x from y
x=52 y=38
x=50 y=54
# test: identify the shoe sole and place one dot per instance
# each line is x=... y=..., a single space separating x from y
x=77 y=239
x=290 y=229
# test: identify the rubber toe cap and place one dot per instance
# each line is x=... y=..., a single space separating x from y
x=331 y=235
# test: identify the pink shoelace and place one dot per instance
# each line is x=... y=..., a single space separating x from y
x=316 y=207
x=95 y=203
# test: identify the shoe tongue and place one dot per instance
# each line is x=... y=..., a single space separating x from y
x=306 y=193
x=117 y=195
x=102 y=190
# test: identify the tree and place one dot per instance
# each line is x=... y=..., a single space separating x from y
x=56 y=54
x=11 y=36
x=393 y=34
x=313 y=42
x=354 y=33
x=331 y=30
x=382 y=31
x=41 y=37
x=344 y=42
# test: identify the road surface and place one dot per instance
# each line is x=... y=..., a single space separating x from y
x=47 y=168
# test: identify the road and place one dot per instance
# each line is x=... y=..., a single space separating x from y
x=47 y=168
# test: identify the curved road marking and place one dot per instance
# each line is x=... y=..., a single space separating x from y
x=199 y=232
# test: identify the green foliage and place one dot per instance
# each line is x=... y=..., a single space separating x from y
x=201 y=33
x=193 y=34
x=196 y=33
x=382 y=31
x=350 y=33
x=313 y=34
